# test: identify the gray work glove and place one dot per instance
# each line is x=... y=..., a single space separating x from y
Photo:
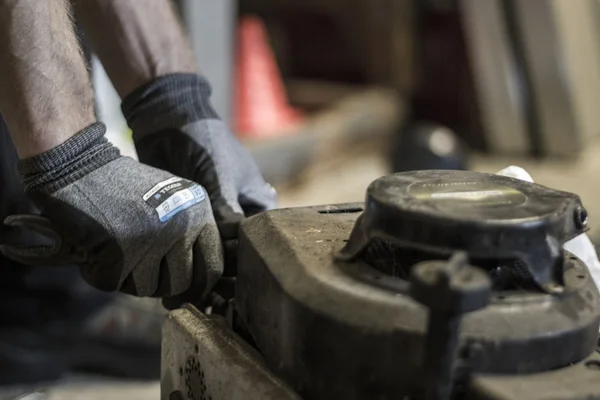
x=176 y=129
x=129 y=227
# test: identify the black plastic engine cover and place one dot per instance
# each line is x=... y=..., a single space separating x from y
x=334 y=327
x=490 y=216
x=344 y=330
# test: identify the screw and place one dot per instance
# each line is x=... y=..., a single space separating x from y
x=581 y=217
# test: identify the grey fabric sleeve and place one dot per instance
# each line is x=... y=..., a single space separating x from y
x=81 y=154
x=171 y=101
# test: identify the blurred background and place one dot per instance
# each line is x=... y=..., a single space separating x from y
x=329 y=95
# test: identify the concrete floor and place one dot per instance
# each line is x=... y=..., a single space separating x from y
x=347 y=184
x=86 y=388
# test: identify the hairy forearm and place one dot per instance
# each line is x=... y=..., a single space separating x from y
x=45 y=93
x=137 y=41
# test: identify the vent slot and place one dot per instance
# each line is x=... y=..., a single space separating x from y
x=396 y=261
x=350 y=210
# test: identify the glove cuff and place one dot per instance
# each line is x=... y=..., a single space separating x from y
x=56 y=168
x=168 y=102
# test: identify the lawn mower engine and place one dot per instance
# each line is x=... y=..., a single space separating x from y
x=442 y=285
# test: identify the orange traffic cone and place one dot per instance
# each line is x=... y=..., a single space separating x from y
x=262 y=108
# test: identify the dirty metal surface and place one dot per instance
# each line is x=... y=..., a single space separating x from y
x=203 y=359
x=321 y=324
x=576 y=382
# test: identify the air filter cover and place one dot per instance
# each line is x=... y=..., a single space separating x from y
x=488 y=216
x=335 y=327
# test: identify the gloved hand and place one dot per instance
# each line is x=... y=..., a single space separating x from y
x=129 y=226
x=176 y=129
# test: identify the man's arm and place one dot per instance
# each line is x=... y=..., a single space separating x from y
x=45 y=93
x=137 y=41
x=129 y=227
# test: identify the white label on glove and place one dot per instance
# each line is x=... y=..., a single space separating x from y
x=172 y=196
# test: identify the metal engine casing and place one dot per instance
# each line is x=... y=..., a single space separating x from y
x=195 y=342
x=322 y=324
x=311 y=326
x=203 y=359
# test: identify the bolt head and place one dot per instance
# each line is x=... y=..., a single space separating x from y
x=581 y=217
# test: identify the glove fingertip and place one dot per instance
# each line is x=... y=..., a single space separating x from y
x=27 y=221
x=13 y=254
x=171 y=303
x=209 y=257
x=257 y=202
x=11 y=220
